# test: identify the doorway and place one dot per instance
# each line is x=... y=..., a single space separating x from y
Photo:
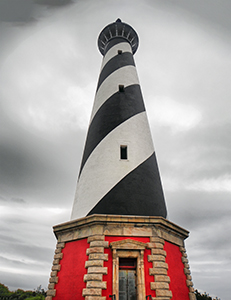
x=127 y=279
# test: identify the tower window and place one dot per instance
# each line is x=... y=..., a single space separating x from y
x=120 y=51
x=121 y=88
x=123 y=152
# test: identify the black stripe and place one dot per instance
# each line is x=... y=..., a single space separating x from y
x=118 y=61
x=117 y=109
x=113 y=42
x=139 y=193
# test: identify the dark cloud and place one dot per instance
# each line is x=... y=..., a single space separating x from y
x=216 y=14
x=18 y=200
x=26 y=11
x=211 y=11
x=32 y=175
x=49 y=70
x=2 y=198
x=194 y=209
x=25 y=252
x=24 y=281
x=56 y=3
x=16 y=11
x=8 y=238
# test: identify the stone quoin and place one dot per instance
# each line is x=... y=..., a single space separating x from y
x=119 y=244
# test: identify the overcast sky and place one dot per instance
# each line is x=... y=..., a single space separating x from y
x=49 y=66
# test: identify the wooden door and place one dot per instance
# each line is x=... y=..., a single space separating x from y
x=127 y=281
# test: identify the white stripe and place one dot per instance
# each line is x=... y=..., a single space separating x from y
x=104 y=169
x=125 y=47
x=125 y=76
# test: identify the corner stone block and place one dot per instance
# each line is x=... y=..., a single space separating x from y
x=162 y=278
x=51 y=293
x=158 y=252
x=97 y=270
x=189 y=283
x=95 y=250
x=94 y=263
x=155 y=245
x=48 y=298
x=159 y=285
x=163 y=293
x=56 y=267
x=157 y=271
x=91 y=292
x=58 y=256
x=189 y=277
x=53 y=279
x=97 y=284
x=56 y=262
x=51 y=286
x=100 y=256
x=104 y=244
x=162 y=265
x=93 y=277
x=187 y=271
x=182 y=249
x=53 y=274
x=192 y=296
x=184 y=260
x=58 y=250
x=60 y=245
x=156 y=258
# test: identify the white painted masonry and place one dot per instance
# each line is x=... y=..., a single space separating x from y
x=125 y=47
x=104 y=169
x=125 y=76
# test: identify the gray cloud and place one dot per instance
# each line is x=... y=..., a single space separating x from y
x=49 y=70
x=52 y=3
x=16 y=11
x=26 y=282
x=21 y=12
x=18 y=200
x=27 y=253
x=210 y=11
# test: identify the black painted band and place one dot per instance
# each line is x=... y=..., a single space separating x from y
x=139 y=193
x=115 y=41
x=118 y=61
x=117 y=109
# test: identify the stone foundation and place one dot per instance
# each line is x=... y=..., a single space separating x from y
x=95 y=228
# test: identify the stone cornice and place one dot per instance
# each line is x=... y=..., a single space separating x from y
x=121 y=221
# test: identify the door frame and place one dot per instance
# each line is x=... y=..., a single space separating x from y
x=128 y=248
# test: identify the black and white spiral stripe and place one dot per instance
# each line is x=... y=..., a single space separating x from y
x=106 y=183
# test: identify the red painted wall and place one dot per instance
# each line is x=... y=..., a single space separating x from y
x=177 y=284
x=108 y=264
x=70 y=283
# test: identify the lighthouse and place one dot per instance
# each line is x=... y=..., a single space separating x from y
x=119 y=243
x=119 y=173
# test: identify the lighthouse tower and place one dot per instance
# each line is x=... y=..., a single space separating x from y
x=119 y=244
x=119 y=173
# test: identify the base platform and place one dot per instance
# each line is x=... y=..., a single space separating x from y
x=115 y=257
